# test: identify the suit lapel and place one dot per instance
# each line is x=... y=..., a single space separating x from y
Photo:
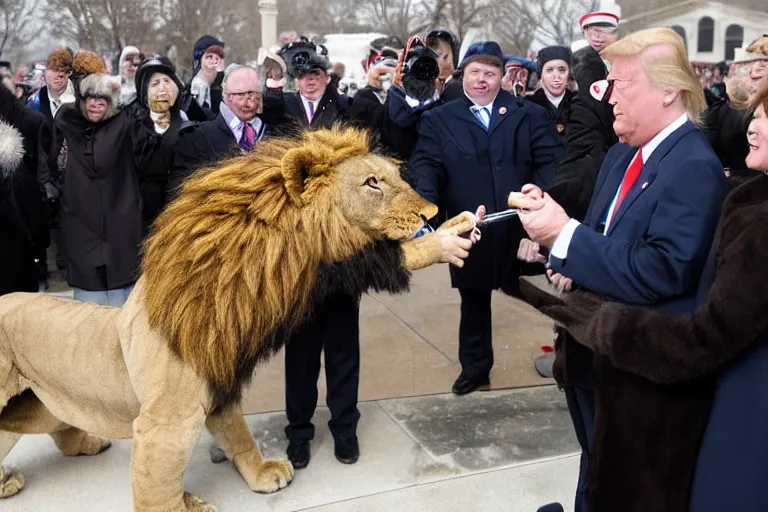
x=295 y=108
x=507 y=104
x=648 y=174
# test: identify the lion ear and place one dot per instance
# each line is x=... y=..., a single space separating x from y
x=299 y=167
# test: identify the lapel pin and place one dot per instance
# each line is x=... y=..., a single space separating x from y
x=645 y=185
x=503 y=110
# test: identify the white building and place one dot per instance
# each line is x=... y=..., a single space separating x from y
x=712 y=30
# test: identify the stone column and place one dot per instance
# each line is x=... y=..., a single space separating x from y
x=268 y=11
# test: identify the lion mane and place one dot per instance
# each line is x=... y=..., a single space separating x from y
x=235 y=263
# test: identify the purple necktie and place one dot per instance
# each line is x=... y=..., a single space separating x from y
x=311 y=110
x=248 y=138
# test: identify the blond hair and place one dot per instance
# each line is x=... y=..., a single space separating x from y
x=667 y=71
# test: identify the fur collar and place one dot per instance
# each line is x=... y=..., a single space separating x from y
x=11 y=149
x=104 y=86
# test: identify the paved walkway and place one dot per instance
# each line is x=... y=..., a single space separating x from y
x=509 y=450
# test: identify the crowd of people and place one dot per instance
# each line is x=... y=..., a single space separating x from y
x=90 y=159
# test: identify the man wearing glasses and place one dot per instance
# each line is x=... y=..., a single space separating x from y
x=235 y=130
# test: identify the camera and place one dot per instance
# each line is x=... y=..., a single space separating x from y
x=421 y=63
x=302 y=56
x=420 y=72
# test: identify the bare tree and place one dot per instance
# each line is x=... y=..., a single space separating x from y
x=401 y=18
x=513 y=31
x=15 y=18
x=557 y=20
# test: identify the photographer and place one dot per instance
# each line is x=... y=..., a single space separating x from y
x=416 y=90
x=315 y=105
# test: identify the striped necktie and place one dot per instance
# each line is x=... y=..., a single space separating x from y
x=484 y=116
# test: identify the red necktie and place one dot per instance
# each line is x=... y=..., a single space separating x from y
x=630 y=177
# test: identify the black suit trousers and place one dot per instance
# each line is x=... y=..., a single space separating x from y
x=333 y=329
x=475 y=333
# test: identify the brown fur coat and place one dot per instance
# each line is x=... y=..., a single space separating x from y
x=655 y=374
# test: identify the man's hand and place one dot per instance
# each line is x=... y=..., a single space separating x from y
x=562 y=283
x=455 y=248
x=544 y=225
x=528 y=251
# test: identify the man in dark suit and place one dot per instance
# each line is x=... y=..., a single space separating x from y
x=651 y=221
x=235 y=130
x=475 y=151
x=333 y=330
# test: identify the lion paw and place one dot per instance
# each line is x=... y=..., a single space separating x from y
x=10 y=483
x=195 y=504
x=93 y=445
x=273 y=475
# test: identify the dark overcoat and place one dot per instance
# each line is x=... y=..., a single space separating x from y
x=459 y=165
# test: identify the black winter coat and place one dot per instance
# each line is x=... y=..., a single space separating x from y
x=101 y=206
x=458 y=166
x=560 y=115
x=23 y=220
x=588 y=138
x=726 y=131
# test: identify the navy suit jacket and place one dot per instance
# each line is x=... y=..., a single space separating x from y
x=656 y=247
x=459 y=165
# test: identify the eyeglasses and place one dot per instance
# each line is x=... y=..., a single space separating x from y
x=602 y=30
x=247 y=95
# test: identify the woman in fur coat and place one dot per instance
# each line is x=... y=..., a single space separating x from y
x=23 y=219
x=101 y=205
x=682 y=401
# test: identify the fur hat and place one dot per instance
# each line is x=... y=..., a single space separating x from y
x=60 y=59
x=488 y=51
x=101 y=85
x=11 y=148
x=88 y=63
x=552 y=53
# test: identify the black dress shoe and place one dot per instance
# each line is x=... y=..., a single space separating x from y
x=298 y=454
x=464 y=385
x=346 y=449
x=552 y=507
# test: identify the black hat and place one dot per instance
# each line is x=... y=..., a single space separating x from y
x=552 y=53
x=302 y=56
x=155 y=64
x=447 y=36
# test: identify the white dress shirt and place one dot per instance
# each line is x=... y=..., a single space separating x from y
x=563 y=241
x=306 y=102
x=488 y=109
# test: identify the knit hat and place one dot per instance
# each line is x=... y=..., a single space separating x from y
x=605 y=18
x=208 y=44
x=489 y=51
x=552 y=53
x=60 y=59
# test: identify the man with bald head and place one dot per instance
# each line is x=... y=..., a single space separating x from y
x=236 y=130
x=644 y=241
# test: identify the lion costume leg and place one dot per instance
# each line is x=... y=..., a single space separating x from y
x=231 y=432
x=73 y=441
x=10 y=483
